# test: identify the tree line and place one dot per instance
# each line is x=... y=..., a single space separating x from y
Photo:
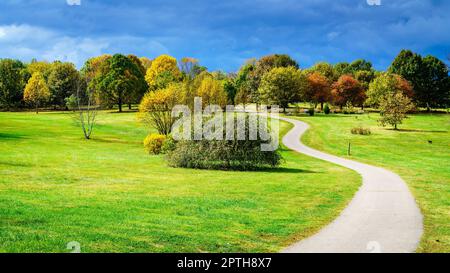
x=118 y=80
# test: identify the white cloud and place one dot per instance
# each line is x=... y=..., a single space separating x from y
x=26 y=42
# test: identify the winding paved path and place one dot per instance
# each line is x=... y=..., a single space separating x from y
x=382 y=217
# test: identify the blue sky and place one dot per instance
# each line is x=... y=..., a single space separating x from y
x=223 y=34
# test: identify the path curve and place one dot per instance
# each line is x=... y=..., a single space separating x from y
x=382 y=217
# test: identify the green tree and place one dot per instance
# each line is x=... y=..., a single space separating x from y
x=429 y=77
x=325 y=69
x=12 y=82
x=36 y=91
x=437 y=82
x=365 y=77
x=359 y=65
x=386 y=84
x=393 y=109
x=229 y=85
x=137 y=61
x=136 y=95
x=282 y=85
x=122 y=79
x=62 y=82
x=93 y=71
x=263 y=66
x=341 y=69
x=243 y=96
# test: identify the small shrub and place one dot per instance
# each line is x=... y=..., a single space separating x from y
x=169 y=145
x=361 y=131
x=311 y=111
x=326 y=109
x=153 y=143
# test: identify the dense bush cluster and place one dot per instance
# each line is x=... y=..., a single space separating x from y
x=222 y=155
x=361 y=131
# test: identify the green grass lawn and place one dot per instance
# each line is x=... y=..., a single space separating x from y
x=424 y=166
x=108 y=195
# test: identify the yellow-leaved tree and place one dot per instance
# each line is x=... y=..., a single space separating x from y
x=163 y=71
x=36 y=91
x=212 y=92
x=146 y=62
x=156 y=107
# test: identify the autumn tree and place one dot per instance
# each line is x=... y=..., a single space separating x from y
x=36 y=91
x=393 y=109
x=189 y=67
x=386 y=84
x=347 y=90
x=43 y=67
x=282 y=85
x=62 y=82
x=319 y=89
x=163 y=71
x=146 y=63
x=212 y=92
x=122 y=79
x=156 y=107
x=12 y=82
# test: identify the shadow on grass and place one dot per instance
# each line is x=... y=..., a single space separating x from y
x=7 y=136
x=282 y=170
x=113 y=140
x=417 y=131
x=11 y=164
x=123 y=111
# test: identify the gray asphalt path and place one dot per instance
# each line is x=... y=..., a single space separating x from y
x=382 y=217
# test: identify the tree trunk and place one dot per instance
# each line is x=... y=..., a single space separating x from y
x=129 y=106
x=321 y=106
x=37 y=111
x=120 y=104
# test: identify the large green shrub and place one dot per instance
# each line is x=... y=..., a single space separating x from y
x=223 y=154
